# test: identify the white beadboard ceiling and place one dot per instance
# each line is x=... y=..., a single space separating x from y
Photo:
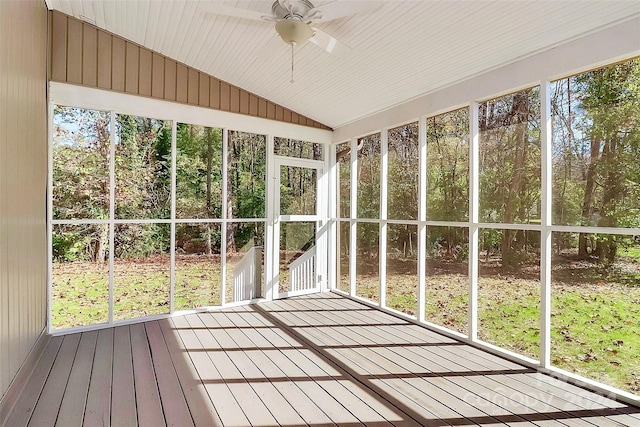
x=401 y=50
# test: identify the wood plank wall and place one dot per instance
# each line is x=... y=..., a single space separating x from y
x=85 y=55
x=23 y=184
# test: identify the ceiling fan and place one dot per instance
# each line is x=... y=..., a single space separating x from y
x=294 y=18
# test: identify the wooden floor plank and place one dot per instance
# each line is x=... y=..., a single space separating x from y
x=279 y=407
x=235 y=366
x=23 y=409
x=290 y=362
x=469 y=356
x=442 y=407
x=175 y=407
x=492 y=360
x=550 y=402
x=394 y=354
x=319 y=369
x=395 y=359
x=289 y=388
x=123 y=398
x=75 y=396
x=198 y=399
x=252 y=406
x=358 y=404
x=227 y=407
x=98 y=408
x=502 y=388
x=328 y=403
x=46 y=411
x=319 y=360
x=148 y=403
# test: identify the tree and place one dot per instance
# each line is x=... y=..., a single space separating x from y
x=611 y=100
x=448 y=166
x=81 y=179
x=246 y=182
x=199 y=184
x=369 y=177
x=596 y=147
x=402 y=182
x=143 y=184
x=510 y=166
x=199 y=172
x=343 y=157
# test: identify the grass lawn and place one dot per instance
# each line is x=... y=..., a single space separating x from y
x=595 y=317
x=80 y=291
x=197 y=281
x=80 y=294
x=595 y=332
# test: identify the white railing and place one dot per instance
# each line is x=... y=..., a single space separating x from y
x=247 y=275
x=302 y=271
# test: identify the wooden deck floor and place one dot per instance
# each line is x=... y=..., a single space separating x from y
x=314 y=360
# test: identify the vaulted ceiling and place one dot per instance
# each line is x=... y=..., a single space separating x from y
x=399 y=49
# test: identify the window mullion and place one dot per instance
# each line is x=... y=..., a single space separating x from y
x=112 y=206
x=474 y=174
x=382 y=251
x=172 y=249
x=223 y=232
x=354 y=210
x=546 y=221
x=422 y=217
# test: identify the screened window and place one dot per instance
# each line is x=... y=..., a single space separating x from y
x=448 y=166
x=510 y=158
x=369 y=177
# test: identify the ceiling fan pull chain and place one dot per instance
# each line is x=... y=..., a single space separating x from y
x=293 y=44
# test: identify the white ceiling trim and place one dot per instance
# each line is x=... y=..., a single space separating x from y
x=104 y=100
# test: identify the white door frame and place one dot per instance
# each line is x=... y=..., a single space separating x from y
x=320 y=219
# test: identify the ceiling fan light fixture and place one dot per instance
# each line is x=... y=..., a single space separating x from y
x=294 y=31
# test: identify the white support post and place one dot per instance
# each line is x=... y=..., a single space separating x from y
x=112 y=207
x=324 y=210
x=172 y=249
x=225 y=201
x=354 y=212
x=333 y=247
x=546 y=222
x=382 y=250
x=49 y=223
x=272 y=226
x=474 y=206
x=422 y=217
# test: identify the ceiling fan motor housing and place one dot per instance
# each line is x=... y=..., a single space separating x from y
x=291 y=9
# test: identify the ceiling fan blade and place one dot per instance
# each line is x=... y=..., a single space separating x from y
x=329 y=43
x=342 y=8
x=215 y=8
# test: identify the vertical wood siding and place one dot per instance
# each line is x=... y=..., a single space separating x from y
x=85 y=55
x=23 y=178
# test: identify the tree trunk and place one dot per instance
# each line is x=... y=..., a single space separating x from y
x=317 y=152
x=607 y=249
x=100 y=245
x=587 y=203
x=519 y=116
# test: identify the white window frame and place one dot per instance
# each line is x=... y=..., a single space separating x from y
x=546 y=227
x=117 y=103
